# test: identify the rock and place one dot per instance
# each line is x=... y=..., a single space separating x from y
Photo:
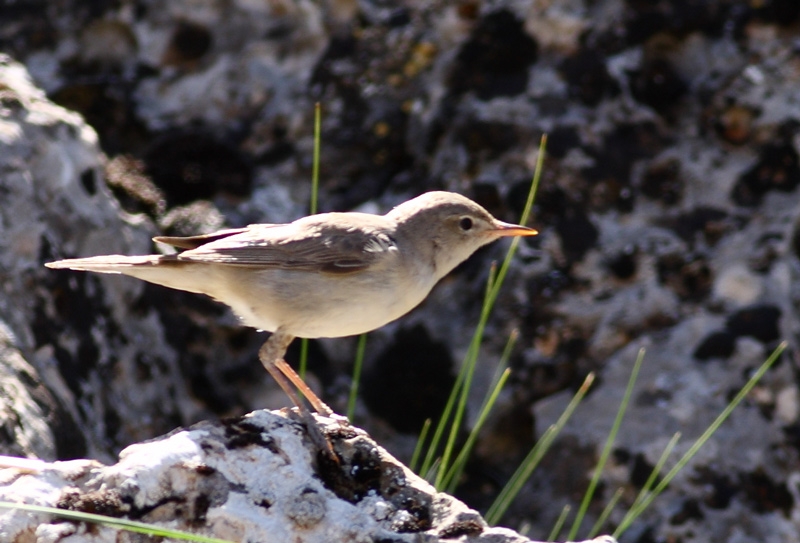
x=250 y=478
x=56 y=203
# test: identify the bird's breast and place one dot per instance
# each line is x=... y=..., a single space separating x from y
x=313 y=305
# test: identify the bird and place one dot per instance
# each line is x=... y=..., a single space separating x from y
x=322 y=276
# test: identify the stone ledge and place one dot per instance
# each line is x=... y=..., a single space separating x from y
x=251 y=478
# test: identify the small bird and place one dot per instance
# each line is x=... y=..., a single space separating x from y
x=326 y=275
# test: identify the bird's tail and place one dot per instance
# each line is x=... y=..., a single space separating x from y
x=107 y=264
x=166 y=270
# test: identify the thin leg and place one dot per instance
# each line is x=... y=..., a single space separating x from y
x=289 y=373
x=271 y=356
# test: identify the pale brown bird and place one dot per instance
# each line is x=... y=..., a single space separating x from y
x=326 y=275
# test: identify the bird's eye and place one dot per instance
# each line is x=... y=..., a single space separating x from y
x=465 y=223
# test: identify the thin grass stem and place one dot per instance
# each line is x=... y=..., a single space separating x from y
x=113 y=522
x=468 y=369
x=454 y=474
x=612 y=435
x=559 y=524
x=357 y=366
x=492 y=292
x=450 y=405
x=498 y=382
x=313 y=206
x=633 y=514
x=605 y=513
x=423 y=435
x=523 y=472
x=653 y=477
x=456 y=403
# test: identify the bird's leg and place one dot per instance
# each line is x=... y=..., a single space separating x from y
x=271 y=356
x=289 y=373
x=273 y=350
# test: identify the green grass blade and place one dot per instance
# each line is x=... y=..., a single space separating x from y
x=633 y=514
x=645 y=491
x=357 y=366
x=612 y=435
x=460 y=390
x=498 y=382
x=423 y=435
x=605 y=513
x=454 y=474
x=468 y=369
x=315 y=161
x=493 y=292
x=113 y=522
x=559 y=524
x=537 y=177
x=450 y=405
x=313 y=206
x=303 y=364
x=512 y=249
x=523 y=472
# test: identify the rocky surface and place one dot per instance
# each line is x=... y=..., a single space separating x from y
x=252 y=478
x=669 y=215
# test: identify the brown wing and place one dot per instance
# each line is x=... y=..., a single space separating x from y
x=193 y=242
x=341 y=249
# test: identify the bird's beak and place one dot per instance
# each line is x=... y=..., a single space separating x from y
x=504 y=229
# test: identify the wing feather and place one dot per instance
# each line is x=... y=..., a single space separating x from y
x=342 y=249
x=193 y=242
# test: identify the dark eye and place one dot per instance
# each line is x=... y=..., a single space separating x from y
x=465 y=223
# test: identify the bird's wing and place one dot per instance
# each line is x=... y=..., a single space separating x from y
x=193 y=242
x=341 y=249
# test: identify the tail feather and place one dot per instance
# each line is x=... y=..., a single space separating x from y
x=164 y=270
x=108 y=263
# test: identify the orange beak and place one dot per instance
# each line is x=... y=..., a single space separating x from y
x=504 y=229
